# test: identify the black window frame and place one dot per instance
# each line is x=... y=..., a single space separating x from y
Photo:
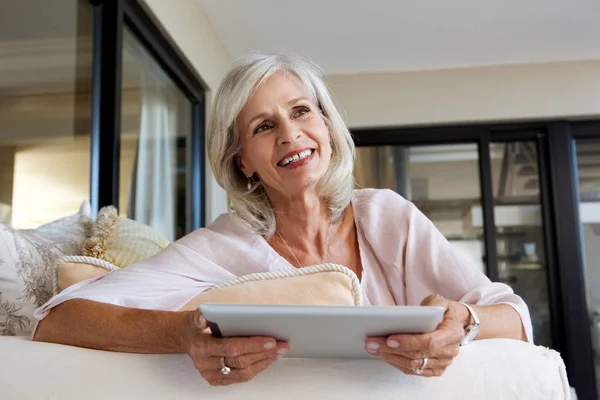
x=560 y=216
x=110 y=19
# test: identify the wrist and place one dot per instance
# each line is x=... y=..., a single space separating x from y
x=463 y=314
x=183 y=330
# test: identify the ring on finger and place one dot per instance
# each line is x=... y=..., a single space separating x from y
x=419 y=371
x=225 y=370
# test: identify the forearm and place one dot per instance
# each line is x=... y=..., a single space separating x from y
x=497 y=321
x=86 y=323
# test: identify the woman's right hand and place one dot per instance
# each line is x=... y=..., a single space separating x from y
x=245 y=356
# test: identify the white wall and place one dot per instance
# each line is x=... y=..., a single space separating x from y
x=500 y=93
x=187 y=24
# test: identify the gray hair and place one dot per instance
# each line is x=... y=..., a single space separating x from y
x=253 y=206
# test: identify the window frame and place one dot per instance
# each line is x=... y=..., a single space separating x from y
x=110 y=19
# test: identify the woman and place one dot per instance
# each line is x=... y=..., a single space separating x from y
x=278 y=146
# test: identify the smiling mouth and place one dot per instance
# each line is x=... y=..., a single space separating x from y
x=296 y=157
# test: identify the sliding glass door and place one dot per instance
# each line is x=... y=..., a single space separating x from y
x=506 y=196
x=45 y=100
x=156 y=127
x=441 y=180
x=520 y=234
x=147 y=139
x=588 y=167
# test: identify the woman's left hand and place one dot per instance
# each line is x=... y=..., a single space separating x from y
x=408 y=352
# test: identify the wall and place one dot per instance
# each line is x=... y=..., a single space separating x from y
x=187 y=24
x=500 y=93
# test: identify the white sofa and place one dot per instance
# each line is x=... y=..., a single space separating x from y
x=486 y=369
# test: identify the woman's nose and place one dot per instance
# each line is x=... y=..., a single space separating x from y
x=288 y=132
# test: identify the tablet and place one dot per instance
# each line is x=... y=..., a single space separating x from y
x=320 y=331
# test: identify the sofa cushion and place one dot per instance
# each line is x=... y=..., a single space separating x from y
x=325 y=284
x=122 y=241
x=485 y=369
x=74 y=269
x=27 y=262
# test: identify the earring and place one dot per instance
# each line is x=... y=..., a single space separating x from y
x=252 y=179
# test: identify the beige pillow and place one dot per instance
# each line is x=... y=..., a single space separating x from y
x=74 y=269
x=122 y=241
x=325 y=284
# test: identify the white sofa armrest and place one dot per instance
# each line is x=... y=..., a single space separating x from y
x=485 y=369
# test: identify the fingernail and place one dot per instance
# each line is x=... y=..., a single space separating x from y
x=372 y=346
x=282 y=352
x=269 y=345
x=393 y=344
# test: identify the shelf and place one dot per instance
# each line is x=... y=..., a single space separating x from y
x=457 y=238
x=526 y=266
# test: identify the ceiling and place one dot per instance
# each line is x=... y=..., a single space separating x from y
x=353 y=36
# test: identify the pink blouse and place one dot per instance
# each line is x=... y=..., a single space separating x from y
x=404 y=257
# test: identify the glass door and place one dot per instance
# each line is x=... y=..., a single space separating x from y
x=441 y=180
x=519 y=230
x=154 y=162
x=588 y=166
x=45 y=102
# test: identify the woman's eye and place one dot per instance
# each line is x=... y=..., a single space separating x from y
x=262 y=128
x=300 y=111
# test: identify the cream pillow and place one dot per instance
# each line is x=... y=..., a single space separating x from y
x=325 y=284
x=74 y=269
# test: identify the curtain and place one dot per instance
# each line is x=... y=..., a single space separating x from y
x=153 y=190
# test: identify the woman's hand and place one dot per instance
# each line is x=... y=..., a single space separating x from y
x=246 y=357
x=407 y=352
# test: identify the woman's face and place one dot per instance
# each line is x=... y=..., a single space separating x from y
x=284 y=137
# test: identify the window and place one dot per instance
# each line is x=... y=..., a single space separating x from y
x=45 y=83
x=588 y=166
x=147 y=123
x=155 y=131
x=520 y=235
x=441 y=180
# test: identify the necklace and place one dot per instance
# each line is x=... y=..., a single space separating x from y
x=296 y=258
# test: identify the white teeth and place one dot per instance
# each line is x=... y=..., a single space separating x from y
x=295 y=157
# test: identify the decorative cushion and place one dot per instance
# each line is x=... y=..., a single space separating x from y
x=74 y=269
x=27 y=259
x=122 y=241
x=325 y=284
